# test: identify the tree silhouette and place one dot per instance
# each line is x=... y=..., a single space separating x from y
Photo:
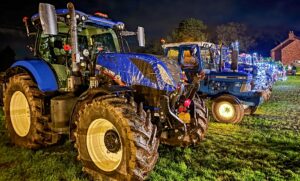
x=189 y=30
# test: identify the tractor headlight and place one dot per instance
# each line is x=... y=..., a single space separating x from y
x=83 y=64
x=237 y=84
x=86 y=52
x=120 y=26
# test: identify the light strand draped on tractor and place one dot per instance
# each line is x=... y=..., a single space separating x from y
x=115 y=106
x=262 y=80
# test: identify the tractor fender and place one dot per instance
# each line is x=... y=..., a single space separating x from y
x=43 y=75
x=228 y=95
x=88 y=96
x=249 y=100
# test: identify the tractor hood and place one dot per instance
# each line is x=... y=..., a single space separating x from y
x=231 y=76
x=137 y=69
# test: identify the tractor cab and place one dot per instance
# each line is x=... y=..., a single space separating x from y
x=192 y=57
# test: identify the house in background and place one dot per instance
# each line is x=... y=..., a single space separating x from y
x=288 y=51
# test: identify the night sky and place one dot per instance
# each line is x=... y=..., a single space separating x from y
x=269 y=19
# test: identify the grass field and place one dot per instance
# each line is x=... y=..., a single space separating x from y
x=265 y=146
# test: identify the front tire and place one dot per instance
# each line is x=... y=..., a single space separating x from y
x=227 y=109
x=23 y=108
x=114 y=143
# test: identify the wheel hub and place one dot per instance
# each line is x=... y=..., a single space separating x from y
x=104 y=145
x=20 y=114
x=226 y=110
x=112 y=141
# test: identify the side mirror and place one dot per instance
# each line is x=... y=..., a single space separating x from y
x=48 y=18
x=141 y=36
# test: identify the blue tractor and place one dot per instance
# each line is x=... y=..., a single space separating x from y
x=230 y=91
x=115 y=106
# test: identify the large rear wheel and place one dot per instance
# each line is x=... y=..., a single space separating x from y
x=26 y=122
x=113 y=142
x=227 y=109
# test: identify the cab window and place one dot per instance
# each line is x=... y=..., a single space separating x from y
x=173 y=53
x=106 y=41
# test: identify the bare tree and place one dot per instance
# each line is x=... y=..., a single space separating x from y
x=235 y=31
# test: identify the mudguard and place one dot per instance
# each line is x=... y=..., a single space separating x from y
x=41 y=72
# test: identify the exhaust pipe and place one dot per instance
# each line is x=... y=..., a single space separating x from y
x=74 y=80
x=74 y=39
x=234 y=56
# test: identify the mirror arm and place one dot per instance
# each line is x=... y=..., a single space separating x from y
x=25 y=21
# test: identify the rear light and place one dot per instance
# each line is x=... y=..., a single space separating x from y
x=101 y=15
x=187 y=103
x=25 y=18
x=67 y=47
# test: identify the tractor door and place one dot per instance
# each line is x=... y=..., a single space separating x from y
x=51 y=49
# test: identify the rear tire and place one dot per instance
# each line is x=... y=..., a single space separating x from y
x=227 y=109
x=23 y=108
x=196 y=130
x=113 y=142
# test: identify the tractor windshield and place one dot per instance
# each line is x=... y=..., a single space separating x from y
x=53 y=48
x=173 y=53
x=207 y=58
x=106 y=40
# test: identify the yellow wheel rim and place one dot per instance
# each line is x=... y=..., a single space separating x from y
x=20 y=113
x=104 y=145
x=226 y=110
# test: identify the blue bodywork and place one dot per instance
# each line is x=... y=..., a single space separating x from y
x=41 y=72
x=132 y=69
x=138 y=69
